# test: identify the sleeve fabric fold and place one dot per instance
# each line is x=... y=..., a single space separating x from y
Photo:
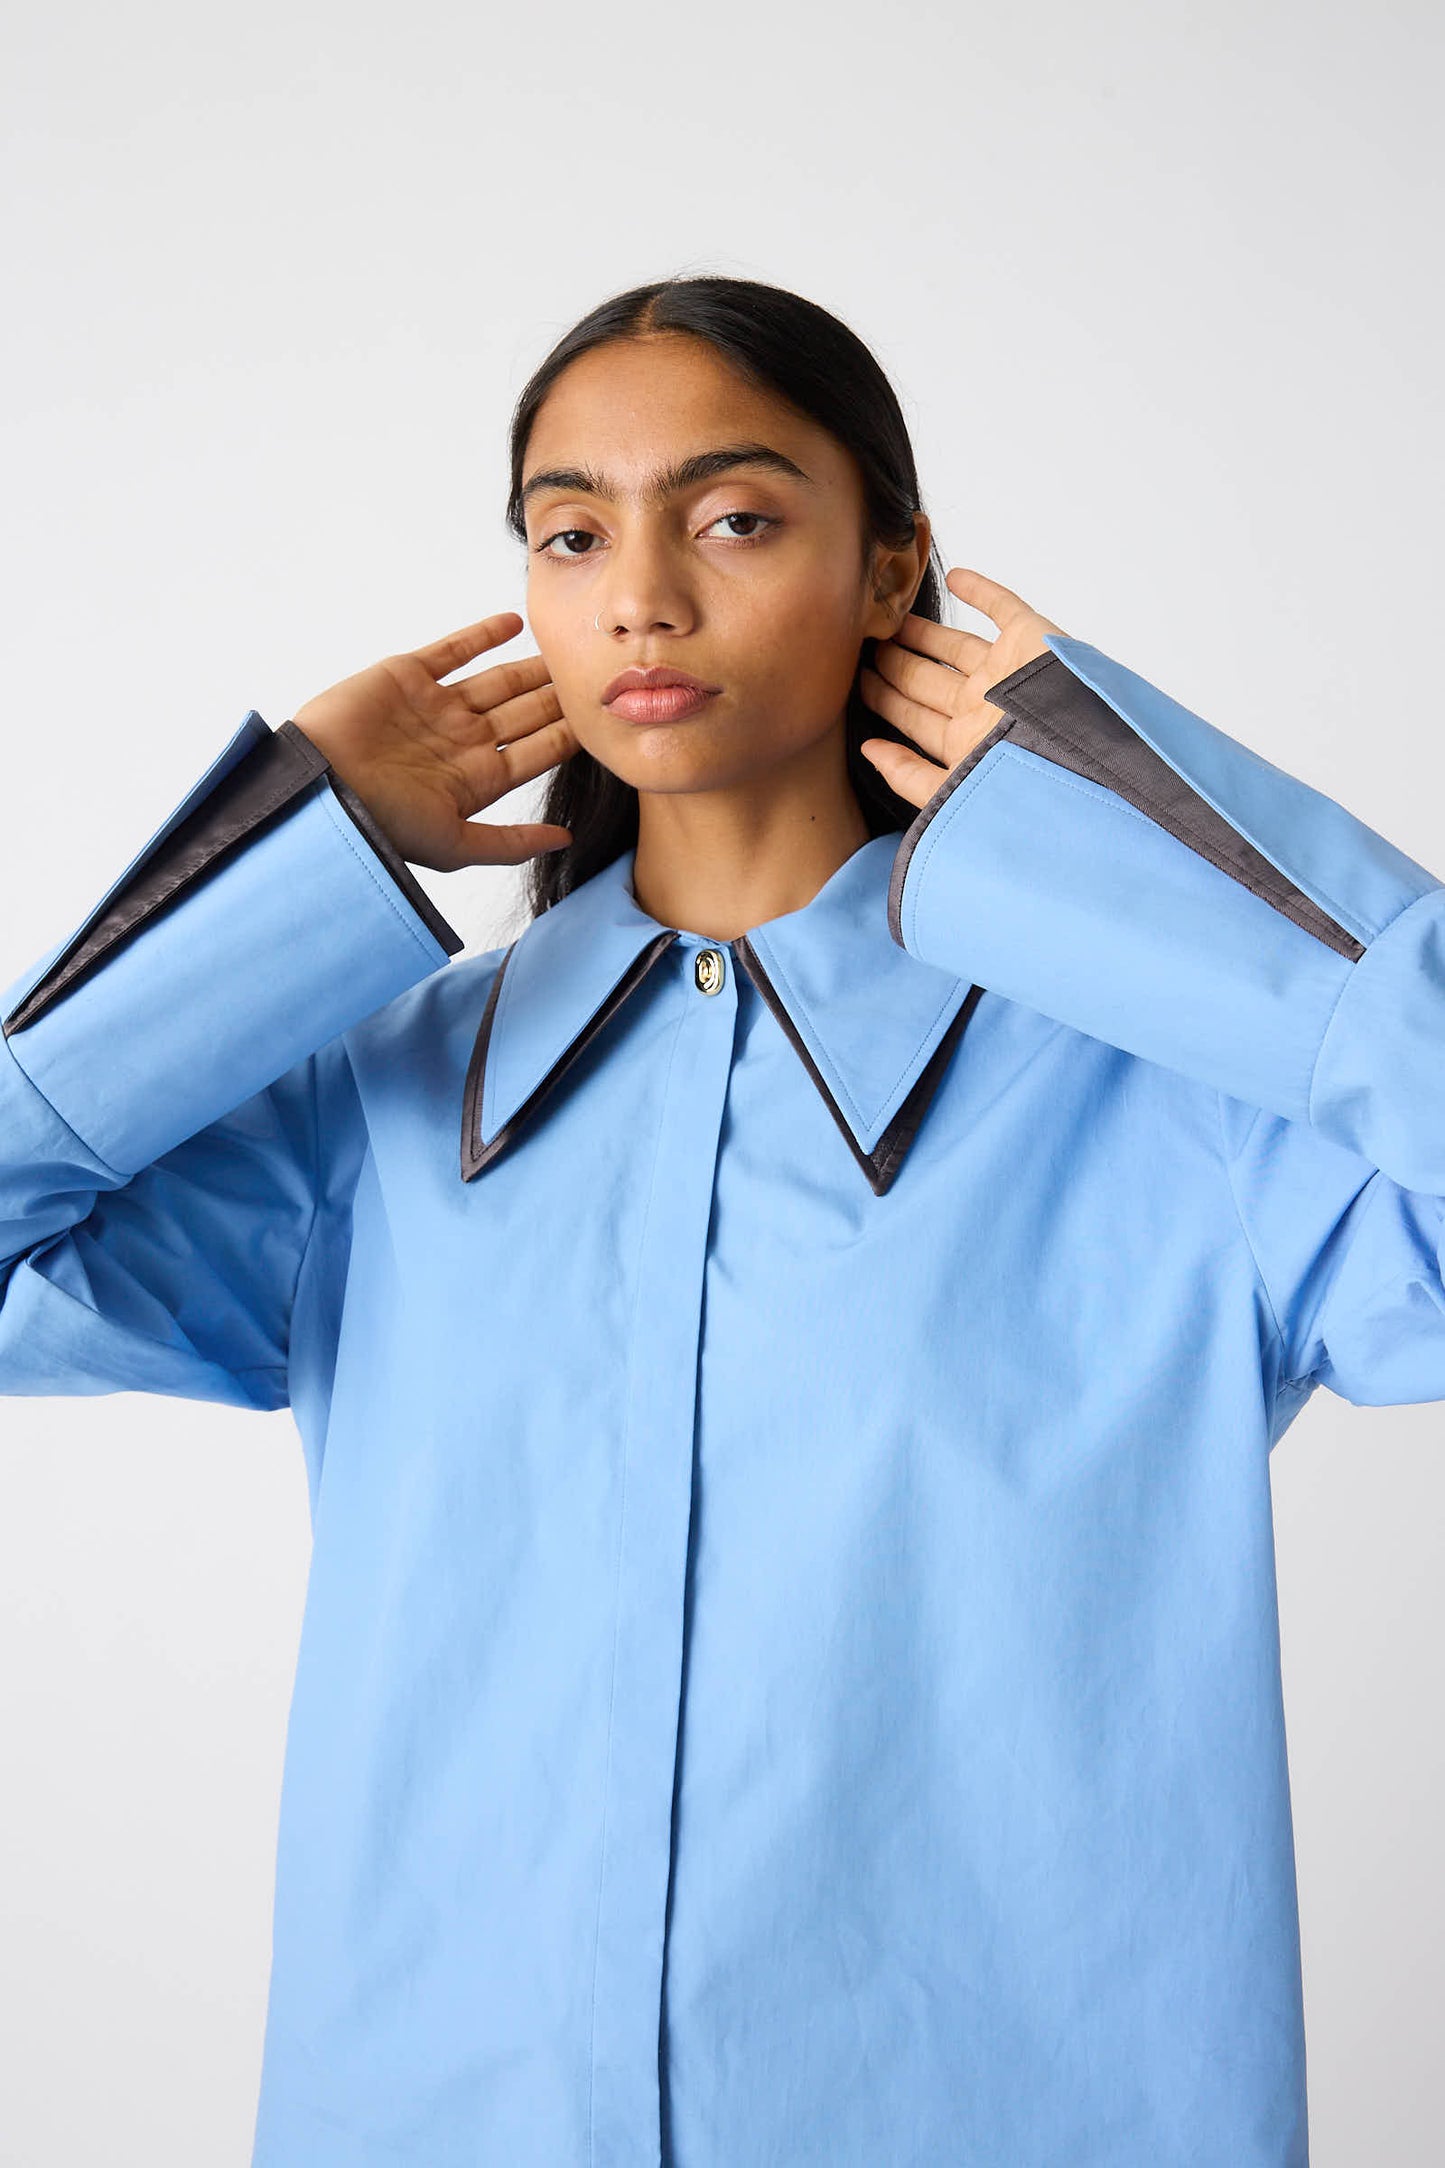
x=1109 y=858
x=162 y=1130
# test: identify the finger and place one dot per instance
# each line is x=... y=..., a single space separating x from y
x=931 y=684
x=923 y=724
x=508 y=843
x=455 y=648
x=513 y=718
x=945 y=643
x=518 y=723
x=903 y=770
x=529 y=713
x=521 y=751
x=525 y=758
x=996 y=601
x=503 y=681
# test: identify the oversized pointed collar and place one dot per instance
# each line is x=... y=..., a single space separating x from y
x=873 y=1026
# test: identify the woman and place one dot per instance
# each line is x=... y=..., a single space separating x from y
x=786 y=1350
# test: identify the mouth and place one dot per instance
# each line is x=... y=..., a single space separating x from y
x=657 y=696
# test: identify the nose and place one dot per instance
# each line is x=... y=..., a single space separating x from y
x=644 y=590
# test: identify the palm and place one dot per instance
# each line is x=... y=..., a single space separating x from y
x=425 y=756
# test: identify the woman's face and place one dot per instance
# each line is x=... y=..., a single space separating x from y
x=752 y=578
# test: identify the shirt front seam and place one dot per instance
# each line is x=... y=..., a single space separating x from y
x=617 y=1591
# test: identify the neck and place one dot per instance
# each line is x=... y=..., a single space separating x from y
x=719 y=862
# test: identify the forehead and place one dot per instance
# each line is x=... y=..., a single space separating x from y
x=624 y=404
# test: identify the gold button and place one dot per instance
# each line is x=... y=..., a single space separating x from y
x=708 y=970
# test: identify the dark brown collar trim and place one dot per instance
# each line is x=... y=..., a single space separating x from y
x=882 y=1163
x=475 y=1154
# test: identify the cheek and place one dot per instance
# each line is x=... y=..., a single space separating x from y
x=818 y=590
x=544 y=619
x=560 y=634
x=805 y=636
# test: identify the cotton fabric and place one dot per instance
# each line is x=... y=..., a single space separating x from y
x=790 y=1662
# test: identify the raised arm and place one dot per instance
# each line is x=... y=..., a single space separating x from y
x=173 y=1083
x=1087 y=846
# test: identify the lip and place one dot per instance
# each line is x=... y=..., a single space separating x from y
x=660 y=703
x=658 y=695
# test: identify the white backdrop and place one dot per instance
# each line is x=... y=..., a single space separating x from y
x=1160 y=289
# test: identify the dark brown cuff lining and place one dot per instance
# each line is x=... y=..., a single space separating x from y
x=261 y=787
x=1054 y=714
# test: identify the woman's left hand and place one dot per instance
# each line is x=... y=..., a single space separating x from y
x=930 y=681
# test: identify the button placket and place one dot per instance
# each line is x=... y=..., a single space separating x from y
x=625 y=2113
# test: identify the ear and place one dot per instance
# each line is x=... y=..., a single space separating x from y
x=895 y=578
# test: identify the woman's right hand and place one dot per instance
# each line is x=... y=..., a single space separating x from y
x=423 y=756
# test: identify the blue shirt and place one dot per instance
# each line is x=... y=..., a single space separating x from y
x=790 y=1665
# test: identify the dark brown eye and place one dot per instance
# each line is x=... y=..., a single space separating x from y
x=566 y=534
x=763 y=517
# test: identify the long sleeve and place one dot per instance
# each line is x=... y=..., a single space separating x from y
x=1112 y=860
x=165 y=1076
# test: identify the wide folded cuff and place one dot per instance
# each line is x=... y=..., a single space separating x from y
x=1113 y=860
x=261 y=919
x=1378 y=1080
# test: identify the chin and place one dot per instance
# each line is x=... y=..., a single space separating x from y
x=661 y=756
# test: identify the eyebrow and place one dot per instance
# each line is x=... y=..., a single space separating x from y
x=667 y=481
